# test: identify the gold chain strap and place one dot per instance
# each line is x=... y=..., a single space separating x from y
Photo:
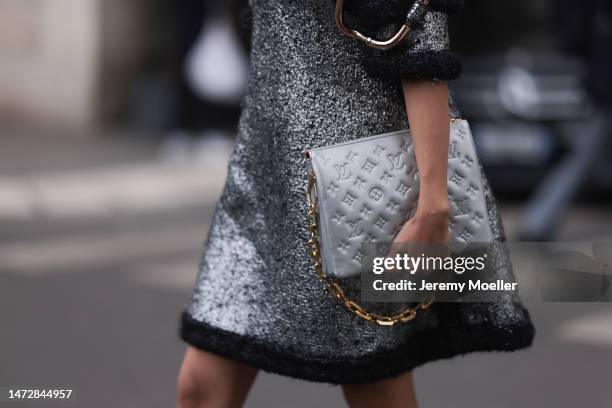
x=314 y=250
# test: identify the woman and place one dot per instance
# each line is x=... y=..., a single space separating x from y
x=256 y=303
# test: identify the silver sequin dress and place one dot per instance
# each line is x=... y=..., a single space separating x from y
x=256 y=299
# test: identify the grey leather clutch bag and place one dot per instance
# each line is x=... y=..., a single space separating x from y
x=366 y=189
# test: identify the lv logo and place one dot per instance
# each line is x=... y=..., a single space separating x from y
x=355 y=228
x=396 y=161
x=343 y=171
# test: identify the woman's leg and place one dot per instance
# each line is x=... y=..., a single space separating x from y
x=391 y=393
x=207 y=380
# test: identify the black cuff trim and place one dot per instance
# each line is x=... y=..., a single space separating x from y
x=378 y=13
x=420 y=348
x=393 y=64
x=447 y=6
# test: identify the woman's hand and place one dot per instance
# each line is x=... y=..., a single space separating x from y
x=426 y=233
x=425 y=228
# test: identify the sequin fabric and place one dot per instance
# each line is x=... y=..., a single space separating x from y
x=256 y=281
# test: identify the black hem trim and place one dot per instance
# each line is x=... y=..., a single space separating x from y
x=432 y=345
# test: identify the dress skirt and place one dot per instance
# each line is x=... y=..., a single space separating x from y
x=256 y=299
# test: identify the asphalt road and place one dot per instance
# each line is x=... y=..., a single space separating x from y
x=90 y=301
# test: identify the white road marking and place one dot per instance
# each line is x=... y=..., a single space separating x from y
x=592 y=329
x=80 y=253
x=178 y=275
x=141 y=187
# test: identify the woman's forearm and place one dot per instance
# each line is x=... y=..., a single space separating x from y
x=428 y=115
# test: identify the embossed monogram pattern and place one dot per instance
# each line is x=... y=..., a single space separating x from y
x=369 y=188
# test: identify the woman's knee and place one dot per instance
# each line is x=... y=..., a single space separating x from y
x=190 y=393
x=195 y=389
x=207 y=380
x=392 y=392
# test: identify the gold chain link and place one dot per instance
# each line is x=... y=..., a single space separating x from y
x=314 y=250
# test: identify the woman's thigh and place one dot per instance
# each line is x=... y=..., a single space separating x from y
x=390 y=393
x=206 y=379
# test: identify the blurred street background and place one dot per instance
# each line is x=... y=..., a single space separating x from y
x=116 y=122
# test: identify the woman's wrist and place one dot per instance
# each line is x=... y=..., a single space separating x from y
x=433 y=196
x=425 y=210
x=433 y=203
